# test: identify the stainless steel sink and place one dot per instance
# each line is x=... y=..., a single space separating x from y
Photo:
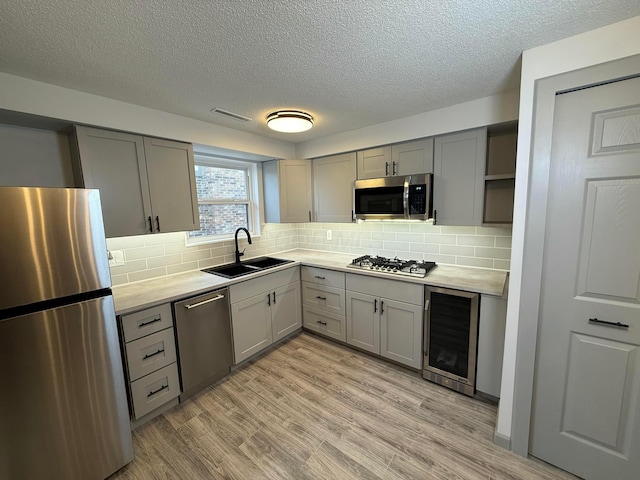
x=233 y=270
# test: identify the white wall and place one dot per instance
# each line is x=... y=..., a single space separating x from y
x=612 y=42
x=477 y=113
x=29 y=96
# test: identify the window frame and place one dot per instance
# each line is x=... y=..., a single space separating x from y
x=252 y=200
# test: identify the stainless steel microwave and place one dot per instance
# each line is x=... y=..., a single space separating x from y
x=388 y=198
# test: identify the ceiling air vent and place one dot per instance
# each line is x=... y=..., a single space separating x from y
x=227 y=113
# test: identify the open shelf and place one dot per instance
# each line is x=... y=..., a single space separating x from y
x=500 y=173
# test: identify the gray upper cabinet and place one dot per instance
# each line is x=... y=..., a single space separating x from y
x=333 y=179
x=287 y=191
x=458 y=183
x=374 y=163
x=146 y=185
x=412 y=157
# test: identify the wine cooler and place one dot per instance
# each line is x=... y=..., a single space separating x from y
x=450 y=338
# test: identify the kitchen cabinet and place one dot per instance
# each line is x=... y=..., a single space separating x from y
x=333 y=179
x=147 y=185
x=374 y=162
x=491 y=330
x=288 y=194
x=323 y=302
x=385 y=317
x=500 y=174
x=151 y=370
x=412 y=157
x=458 y=177
x=264 y=310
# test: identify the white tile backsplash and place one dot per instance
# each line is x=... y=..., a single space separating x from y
x=152 y=256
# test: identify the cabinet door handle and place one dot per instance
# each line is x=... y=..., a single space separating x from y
x=375 y=305
x=154 y=320
x=149 y=355
x=274 y=298
x=158 y=222
x=393 y=169
x=321 y=322
x=150 y=394
x=320 y=297
x=150 y=225
x=309 y=215
x=269 y=299
x=320 y=277
x=353 y=216
x=435 y=216
x=381 y=307
x=608 y=324
x=204 y=302
x=386 y=168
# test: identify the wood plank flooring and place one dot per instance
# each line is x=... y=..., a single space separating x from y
x=313 y=409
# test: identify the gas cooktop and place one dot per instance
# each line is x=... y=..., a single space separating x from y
x=412 y=268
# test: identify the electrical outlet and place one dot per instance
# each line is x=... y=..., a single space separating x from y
x=116 y=258
x=329 y=236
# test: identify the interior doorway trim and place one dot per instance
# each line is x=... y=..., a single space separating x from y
x=536 y=216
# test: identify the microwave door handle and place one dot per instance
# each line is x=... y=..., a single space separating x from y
x=405 y=198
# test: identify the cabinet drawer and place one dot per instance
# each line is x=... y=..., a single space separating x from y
x=324 y=298
x=380 y=287
x=154 y=390
x=150 y=353
x=322 y=276
x=328 y=324
x=139 y=324
x=250 y=288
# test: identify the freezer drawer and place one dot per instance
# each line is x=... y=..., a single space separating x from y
x=203 y=330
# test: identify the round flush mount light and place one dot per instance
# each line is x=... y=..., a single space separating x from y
x=289 y=121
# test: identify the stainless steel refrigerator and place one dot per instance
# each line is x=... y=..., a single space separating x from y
x=63 y=405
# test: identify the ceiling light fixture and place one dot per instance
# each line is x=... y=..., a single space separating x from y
x=289 y=121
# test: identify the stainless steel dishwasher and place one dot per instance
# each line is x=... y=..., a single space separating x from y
x=203 y=330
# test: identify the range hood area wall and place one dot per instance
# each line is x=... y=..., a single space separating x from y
x=153 y=256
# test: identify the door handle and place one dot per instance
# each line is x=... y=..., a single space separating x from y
x=274 y=298
x=435 y=216
x=158 y=222
x=320 y=297
x=608 y=324
x=268 y=299
x=393 y=169
x=375 y=305
x=152 y=393
x=150 y=224
x=209 y=300
x=321 y=322
x=386 y=168
x=381 y=307
x=320 y=277
x=154 y=320
x=149 y=355
x=309 y=215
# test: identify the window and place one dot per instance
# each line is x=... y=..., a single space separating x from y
x=225 y=198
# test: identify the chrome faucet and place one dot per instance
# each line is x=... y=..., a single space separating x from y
x=238 y=252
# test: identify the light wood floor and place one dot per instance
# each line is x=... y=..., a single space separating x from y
x=312 y=409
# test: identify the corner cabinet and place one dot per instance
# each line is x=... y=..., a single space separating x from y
x=333 y=179
x=147 y=185
x=458 y=178
x=264 y=310
x=287 y=191
x=385 y=317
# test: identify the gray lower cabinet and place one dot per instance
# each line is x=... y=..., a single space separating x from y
x=458 y=177
x=264 y=310
x=385 y=317
x=333 y=179
x=147 y=185
x=323 y=302
x=491 y=329
x=150 y=360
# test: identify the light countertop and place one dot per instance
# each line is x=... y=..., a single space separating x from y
x=136 y=296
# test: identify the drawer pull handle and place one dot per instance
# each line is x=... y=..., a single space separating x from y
x=154 y=320
x=320 y=277
x=204 y=302
x=320 y=297
x=164 y=387
x=321 y=322
x=608 y=324
x=149 y=355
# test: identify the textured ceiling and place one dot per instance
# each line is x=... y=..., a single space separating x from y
x=350 y=63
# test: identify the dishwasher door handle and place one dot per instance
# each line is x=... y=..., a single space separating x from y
x=204 y=302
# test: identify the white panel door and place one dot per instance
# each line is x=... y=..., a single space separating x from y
x=586 y=411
